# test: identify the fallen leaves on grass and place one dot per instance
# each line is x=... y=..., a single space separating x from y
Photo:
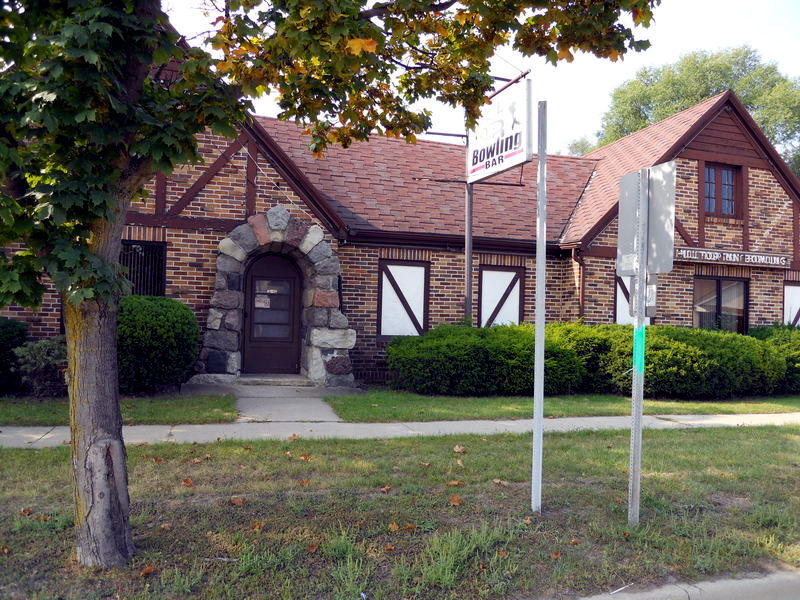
x=425 y=464
x=247 y=448
x=502 y=553
x=158 y=459
x=26 y=512
x=455 y=500
x=574 y=542
x=289 y=454
x=393 y=527
x=626 y=534
x=555 y=555
x=312 y=549
x=410 y=527
x=236 y=501
x=454 y=483
x=500 y=482
x=305 y=457
x=386 y=489
x=459 y=449
x=166 y=526
x=147 y=571
x=527 y=520
x=5 y=550
x=460 y=463
x=257 y=526
x=187 y=482
x=293 y=437
x=389 y=547
x=304 y=482
x=41 y=518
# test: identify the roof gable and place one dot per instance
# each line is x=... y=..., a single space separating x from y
x=720 y=124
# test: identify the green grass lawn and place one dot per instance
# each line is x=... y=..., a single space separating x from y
x=156 y=410
x=413 y=518
x=383 y=406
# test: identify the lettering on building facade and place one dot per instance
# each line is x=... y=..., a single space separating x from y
x=733 y=257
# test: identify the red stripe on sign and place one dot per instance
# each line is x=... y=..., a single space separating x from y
x=476 y=169
x=510 y=154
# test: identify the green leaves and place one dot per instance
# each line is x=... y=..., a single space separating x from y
x=85 y=120
x=350 y=69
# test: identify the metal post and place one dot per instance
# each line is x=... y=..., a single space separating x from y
x=637 y=392
x=468 y=255
x=541 y=280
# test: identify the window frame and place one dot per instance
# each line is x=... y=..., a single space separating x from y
x=718 y=200
x=796 y=317
x=424 y=326
x=519 y=276
x=161 y=278
x=718 y=279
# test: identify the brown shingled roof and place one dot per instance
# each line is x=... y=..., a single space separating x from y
x=647 y=147
x=384 y=185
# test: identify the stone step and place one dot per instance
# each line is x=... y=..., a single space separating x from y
x=289 y=380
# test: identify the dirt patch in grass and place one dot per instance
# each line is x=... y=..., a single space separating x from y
x=335 y=519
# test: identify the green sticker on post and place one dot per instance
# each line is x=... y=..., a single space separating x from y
x=638 y=349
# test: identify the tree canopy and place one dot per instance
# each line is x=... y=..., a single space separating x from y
x=97 y=96
x=352 y=68
x=658 y=92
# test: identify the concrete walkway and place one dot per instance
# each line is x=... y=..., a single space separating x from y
x=313 y=418
x=782 y=585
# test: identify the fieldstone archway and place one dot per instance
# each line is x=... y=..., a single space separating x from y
x=326 y=336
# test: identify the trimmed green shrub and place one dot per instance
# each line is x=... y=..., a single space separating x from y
x=158 y=341
x=42 y=365
x=12 y=335
x=466 y=361
x=786 y=339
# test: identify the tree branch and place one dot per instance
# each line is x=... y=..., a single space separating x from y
x=381 y=9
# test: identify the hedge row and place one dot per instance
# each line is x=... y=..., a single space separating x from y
x=680 y=362
x=158 y=341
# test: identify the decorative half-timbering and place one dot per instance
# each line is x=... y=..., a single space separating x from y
x=311 y=266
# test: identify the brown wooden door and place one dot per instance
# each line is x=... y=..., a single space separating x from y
x=272 y=316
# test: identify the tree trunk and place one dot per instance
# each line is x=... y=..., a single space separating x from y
x=100 y=476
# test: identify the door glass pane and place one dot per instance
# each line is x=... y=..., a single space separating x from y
x=270 y=316
x=267 y=286
x=705 y=303
x=271 y=331
x=732 y=306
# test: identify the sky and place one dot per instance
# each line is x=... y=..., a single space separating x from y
x=578 y=93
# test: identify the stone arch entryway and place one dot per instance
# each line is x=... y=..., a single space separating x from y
x=325 y=336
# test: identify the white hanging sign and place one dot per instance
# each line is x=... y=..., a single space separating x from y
x=503 y=137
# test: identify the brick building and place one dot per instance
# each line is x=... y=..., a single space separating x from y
x=296 y=264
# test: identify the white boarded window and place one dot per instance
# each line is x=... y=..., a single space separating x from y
x=403 y=298
x=501 y=299
x=623 y=314
x=791 y=304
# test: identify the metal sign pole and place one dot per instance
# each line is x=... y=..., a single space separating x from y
x=468 y=254
x=541 y=280
x=637 y=392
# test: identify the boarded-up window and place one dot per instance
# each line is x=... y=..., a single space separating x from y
x=403 y=298
x=623 y=294
x=501 y=295
x=146 y=264
x=791 y=304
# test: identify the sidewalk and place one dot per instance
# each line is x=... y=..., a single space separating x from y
x=306 y=426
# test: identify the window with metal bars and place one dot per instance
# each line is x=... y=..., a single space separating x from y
x=146 y=264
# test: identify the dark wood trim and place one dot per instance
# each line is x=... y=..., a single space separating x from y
x=683 y=233
x=519 y=276
x=796 y=231
x=744 y=204
x=701 y=202
x=724 y=159
x=737 y=190
x=383 y=265
x=625 y=292
x=161 y=193
x=296 y=179
x=453 y=243
x=181 y=222
x=578 y=258
x=600 y=252
x=691 y=133
x=251 y=174
x=212 y=170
